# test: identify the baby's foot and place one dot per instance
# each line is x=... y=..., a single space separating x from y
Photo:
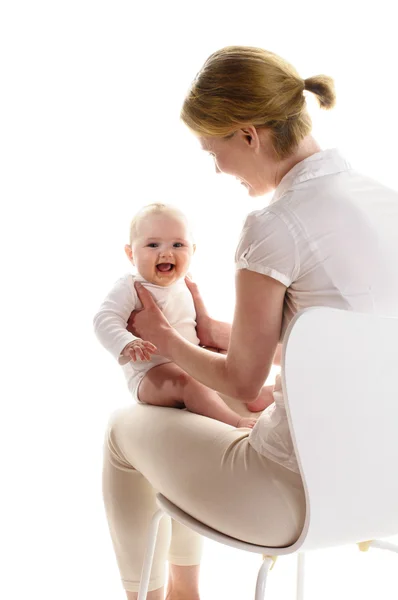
x=246 y=422
x=264 y=399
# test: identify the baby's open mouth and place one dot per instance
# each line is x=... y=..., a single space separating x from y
x=165 y=267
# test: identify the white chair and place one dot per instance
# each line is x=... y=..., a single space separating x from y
x=340 y=378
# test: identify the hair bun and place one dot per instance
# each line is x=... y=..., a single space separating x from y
x=322 y=86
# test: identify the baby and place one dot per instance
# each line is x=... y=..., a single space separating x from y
x=161 y=249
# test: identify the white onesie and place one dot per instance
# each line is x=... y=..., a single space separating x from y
x=110 y=322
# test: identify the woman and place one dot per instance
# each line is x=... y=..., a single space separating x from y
x=327 y=238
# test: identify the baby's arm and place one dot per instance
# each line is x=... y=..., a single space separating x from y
x=110 y=323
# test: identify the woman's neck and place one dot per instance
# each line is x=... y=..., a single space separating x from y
x=307 y=147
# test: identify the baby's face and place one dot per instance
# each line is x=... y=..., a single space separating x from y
x=162 y=249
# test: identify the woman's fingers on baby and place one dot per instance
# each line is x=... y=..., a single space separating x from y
x=190 y=284
x=193 y=288
x=144 y=295
x=197 y=298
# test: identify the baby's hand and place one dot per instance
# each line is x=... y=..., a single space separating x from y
x=139 y=350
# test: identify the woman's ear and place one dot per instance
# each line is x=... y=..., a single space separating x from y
x=129 y=253
x=250 y=136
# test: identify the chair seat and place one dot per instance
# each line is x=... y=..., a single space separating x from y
x=185 y=519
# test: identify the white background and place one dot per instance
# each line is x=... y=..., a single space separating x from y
x=90 y=131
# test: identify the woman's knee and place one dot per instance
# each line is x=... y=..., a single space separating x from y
x=125 y=427
x=112 y=451
x=129 y=431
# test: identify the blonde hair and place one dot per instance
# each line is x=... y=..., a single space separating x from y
x=241 y=85
x=155 y=208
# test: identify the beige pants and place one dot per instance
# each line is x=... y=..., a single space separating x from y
x=205 y=467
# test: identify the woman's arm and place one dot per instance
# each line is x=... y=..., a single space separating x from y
x=278 y=356
x=220 y=334
x=213 y=333
x=255 y=331
x=254 y=337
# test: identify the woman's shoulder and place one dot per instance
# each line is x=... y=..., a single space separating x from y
x=268 y=219
x=265 y=231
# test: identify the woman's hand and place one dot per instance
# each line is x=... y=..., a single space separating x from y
x=203 y=319
x=149 y=323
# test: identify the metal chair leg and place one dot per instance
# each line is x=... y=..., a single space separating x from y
x=149 y=552
x=300 y=576
x=262 y=578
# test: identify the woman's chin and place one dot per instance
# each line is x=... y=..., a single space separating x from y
x=249 y=188
x=256 y=193
x=252 y=192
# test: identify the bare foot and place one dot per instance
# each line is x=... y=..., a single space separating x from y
x=264 y=399
x=246 y=422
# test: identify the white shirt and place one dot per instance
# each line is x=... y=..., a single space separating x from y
x=110 y=322
x=330 y=235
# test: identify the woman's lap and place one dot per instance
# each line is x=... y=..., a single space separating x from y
x=209 y=470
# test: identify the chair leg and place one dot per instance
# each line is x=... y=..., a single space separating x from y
x=149 y=552
x=300 y=576
x=262 y=578
x=384 y=545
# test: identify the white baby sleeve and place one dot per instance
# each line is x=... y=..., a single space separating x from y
x=110 y=322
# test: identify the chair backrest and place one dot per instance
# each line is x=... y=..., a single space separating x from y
x=340 y=380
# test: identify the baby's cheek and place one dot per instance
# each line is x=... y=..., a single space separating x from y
x=187 y=256
x=146 y=262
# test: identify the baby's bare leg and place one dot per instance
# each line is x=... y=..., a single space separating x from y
x=168 y=385
x=161 y=386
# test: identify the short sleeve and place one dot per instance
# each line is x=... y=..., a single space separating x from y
x=267 y=246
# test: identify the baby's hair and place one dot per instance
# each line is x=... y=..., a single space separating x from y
x=156 y=207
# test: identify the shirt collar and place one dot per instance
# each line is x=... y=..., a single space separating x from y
x=326 y=162
x=140 y=279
